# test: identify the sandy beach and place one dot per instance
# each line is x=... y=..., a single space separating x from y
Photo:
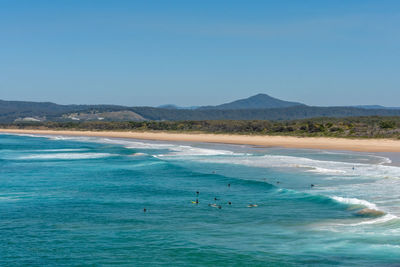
x=363 y=145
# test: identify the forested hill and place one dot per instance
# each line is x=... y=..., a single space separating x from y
x=290 y=113
x=259 y=101
x=244 y=109
x=13 y=110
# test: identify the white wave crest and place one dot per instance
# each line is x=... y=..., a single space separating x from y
x=367 y=204
x=355 y=201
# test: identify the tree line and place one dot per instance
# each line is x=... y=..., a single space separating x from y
x=360 y=127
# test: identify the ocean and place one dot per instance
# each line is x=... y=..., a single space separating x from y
x=76 y=201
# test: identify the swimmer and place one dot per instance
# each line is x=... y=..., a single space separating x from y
x=229 y=203
x=144 y=210
x=229 y=185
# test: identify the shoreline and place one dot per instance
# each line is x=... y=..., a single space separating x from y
x=360 y=145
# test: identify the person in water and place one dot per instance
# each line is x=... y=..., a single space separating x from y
x=144 y=210
x=215 y=198
x=197 y=193
x=229 y=185
x=229 y=203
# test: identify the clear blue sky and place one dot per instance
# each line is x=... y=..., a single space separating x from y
x=200 y=52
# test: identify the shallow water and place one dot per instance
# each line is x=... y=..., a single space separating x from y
x=80 y=201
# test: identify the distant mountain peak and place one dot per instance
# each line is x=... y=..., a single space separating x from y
x=169 y=106
x=258 y=101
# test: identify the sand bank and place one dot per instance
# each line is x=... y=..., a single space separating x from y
x=365 y=145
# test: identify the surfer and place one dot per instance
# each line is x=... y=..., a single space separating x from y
x=252 y=205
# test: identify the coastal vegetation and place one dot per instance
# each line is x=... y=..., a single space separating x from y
x=356 y=127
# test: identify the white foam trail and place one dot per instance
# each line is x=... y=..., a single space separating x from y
x=178 y=150
x=67 y=156
x=59 y=150
x=324 y=171
x=359 y=157
x=383 y=219
x=384 y=160
x=8 y=199
x=196 y=151
x=312 y=165
x=134 y=144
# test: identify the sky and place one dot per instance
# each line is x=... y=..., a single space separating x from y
x=148 y=53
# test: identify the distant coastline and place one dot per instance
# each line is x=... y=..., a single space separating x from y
x=362 y=145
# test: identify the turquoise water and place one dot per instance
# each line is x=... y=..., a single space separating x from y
x=80 y=201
